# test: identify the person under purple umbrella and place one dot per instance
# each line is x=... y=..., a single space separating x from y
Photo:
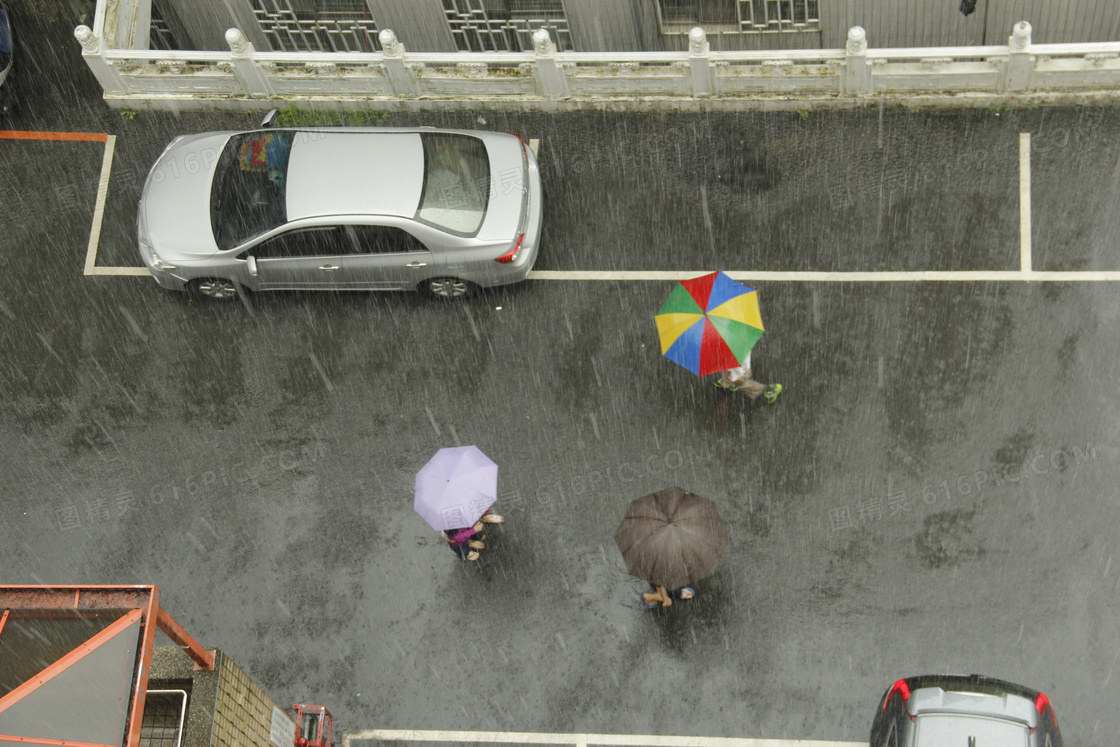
x=454 y=492
x=467 y=542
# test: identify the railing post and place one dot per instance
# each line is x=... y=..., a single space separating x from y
x=551 y=80
x=699 y=65
x=93 y=53
x=857 y=73
x=392 y=57
x=1020 y=63
x=253 y=80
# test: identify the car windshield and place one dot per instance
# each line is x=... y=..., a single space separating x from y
x=456 y=182
x=247 y=198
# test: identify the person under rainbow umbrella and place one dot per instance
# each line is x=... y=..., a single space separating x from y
x=709 y=325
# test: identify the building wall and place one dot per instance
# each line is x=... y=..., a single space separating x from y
x=225 y=708
x=903 y=23
x=921 y=23
x=632 y=25
x=1054 y=21
x=242 y=711
x=655 y=41
x=206 y=22
x=420 y=24
x=601 y=25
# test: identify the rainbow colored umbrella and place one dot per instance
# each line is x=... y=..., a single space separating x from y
x=709 y=323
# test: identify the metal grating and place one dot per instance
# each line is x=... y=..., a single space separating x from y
x=317 y=25
x=164 y=713
x=161 y=36
x=763 y=16
x=506 y=25
x=739 y=16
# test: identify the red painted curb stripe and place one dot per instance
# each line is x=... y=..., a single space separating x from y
x=89 y=137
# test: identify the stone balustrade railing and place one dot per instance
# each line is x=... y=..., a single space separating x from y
x=546 y=79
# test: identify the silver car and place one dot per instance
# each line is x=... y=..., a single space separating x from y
x=343 y=208
x=966 y=710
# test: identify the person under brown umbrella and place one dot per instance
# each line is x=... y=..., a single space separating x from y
x=671 y=538
x=664 y=597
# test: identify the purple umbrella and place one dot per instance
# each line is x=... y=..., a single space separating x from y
x=456 y=487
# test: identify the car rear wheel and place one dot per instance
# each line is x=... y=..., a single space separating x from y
x=217 y=289
x=447 y=287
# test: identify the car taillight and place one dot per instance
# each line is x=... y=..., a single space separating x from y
x=511 y=255
x=524 y=148
x=1042 y=703
x=899 y=687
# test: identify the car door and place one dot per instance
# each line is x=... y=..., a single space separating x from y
x=386 y=258
x=301 y=259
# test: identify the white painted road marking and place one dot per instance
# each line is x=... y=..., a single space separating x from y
x=903 y=276
x=579 y=740
x=99 y=207
x=1025 y=201
x=136 y=271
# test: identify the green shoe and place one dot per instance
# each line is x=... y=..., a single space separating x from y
x=772 y=394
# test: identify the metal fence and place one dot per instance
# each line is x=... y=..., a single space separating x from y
x=478 y=26
x=742 y=16
x=342 y=27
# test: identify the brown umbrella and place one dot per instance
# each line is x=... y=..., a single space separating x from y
x=672 y=538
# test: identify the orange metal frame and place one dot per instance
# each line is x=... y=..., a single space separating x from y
x=142 y=603
x=325 y=731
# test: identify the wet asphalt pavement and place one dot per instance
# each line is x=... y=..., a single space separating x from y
x=934 y=491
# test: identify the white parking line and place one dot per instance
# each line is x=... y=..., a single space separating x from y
x=578 y=740
x=99 y=206
x=121 y=271
x=904 y=276
x=1025 y=201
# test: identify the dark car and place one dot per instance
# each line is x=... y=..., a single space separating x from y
x=941 y=710
x=6 y=99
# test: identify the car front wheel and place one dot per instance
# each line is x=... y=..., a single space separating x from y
x=218 y=289
x=447 y=287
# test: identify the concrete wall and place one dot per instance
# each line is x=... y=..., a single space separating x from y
x=903 y=23
x=420 y=24
x=242 y=711
x=632 y=25
x=921 y=23
x=599 y=25
x=206 y=22
x=225 y=708
x=1055 y=21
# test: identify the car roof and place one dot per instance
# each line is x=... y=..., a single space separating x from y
x=354 y=173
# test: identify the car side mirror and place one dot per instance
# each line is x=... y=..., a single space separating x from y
x=251 y=265
x=271 y=118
